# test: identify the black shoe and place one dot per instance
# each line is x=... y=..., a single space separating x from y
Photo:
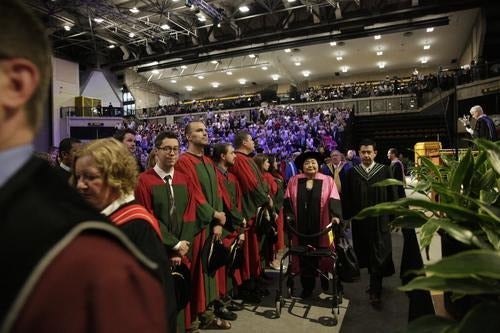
x=325 y=284
x=234 y=306
x=225 y=314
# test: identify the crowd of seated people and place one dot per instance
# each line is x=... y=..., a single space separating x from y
x=416 y=84
x=194 y=106
x=277 y=130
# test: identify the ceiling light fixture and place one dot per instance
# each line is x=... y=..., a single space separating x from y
x=131 y=35
x=189 y=88
x=242 y=81
x=215 y=84
x=134 y=10
x=333 y=43
x=426 y=47
x=290 y=1
x=379 y=53
x=98 y=20
x=173 y=81
x=67 y=27
x=424 y=60
x=184 y=66
x=229 y=73
x=377 y=37
x=288 y=50
x=201 y=18
x=111 y=46
x=381 y=64
x=339 y=58
x=297 y=63
x=200 y=77
x=306 y=73
x=244 y=9
x=165 y=26
x=431 y=29
x=214 y=62
x=275 y=77
x=155 y=71
x=344 y=69
x=251 y=55
x=264 y=68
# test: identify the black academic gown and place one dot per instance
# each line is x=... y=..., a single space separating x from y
x=411 y=259
x=372 y=235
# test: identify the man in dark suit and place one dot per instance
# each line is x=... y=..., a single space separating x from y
x=484 y=128
x=67 y=147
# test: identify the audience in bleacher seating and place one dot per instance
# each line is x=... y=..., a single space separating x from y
x=277 y=130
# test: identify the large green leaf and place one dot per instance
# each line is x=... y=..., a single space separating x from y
x=452 y=211
x=384 y=208
x=461 y=234
x=428 y=231
x=485 y=204
x=462 y=174
x=488 y=180
x=493 y=151
x=489 y=197
x=492 y=233
x=483 y=318
x=466 y=285
x=409 y=221
x=389 y=182
x=430 y=324
x=485 y=263
x=434 y=170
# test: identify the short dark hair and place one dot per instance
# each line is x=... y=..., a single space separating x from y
x=164 y=135
x=187 y=129
x=120 y=134
x=66 y=144
x=240 y=137
x=393 y=151
x=368 y=142
x=219 y=149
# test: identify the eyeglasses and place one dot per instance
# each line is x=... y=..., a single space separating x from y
x=168 y=149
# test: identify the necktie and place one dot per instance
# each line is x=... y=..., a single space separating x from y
x=336 y=177
x=171 y=200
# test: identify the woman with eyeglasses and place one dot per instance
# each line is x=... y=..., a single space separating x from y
x=105 y=174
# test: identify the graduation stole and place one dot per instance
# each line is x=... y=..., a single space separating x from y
x=367 y=176
x=135 y=212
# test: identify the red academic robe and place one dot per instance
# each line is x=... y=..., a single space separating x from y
x=200 y=172
x=254 y=195
x=231 y=197
x=151 y=193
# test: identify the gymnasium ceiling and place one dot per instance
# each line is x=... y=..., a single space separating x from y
x=183 y=39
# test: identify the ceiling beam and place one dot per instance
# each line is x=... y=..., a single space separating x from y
x=267 y=47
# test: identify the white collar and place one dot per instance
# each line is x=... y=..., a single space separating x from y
x=117 y=203
x=368 y=169
x=160 y=172
x=65 y=167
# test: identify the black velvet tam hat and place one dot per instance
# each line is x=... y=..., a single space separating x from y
x=299 y=160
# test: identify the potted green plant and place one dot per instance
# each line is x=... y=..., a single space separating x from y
x=467 y=212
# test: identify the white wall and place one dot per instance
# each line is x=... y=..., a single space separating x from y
x=65 y=86
x=475 y=41
x=97 y=86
